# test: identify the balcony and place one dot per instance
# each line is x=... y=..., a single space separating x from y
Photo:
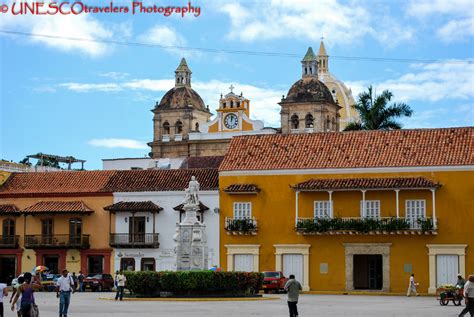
x=165 y=138
x=178 y=137
x=138 y=240
x=365 y=226
x=241 y=226
x=9 y=242
x=57 y=241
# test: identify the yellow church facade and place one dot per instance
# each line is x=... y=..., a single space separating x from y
x=351 y=211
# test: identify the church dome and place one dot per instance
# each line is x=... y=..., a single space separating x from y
x=182 y=97
x=309 y=89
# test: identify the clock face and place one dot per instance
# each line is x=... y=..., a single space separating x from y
x=231 y=121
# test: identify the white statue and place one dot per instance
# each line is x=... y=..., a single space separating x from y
x=194 y=191
x=187 y=197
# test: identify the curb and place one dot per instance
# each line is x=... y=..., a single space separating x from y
x=208 y=299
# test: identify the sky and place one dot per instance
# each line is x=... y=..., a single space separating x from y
x=91 y=98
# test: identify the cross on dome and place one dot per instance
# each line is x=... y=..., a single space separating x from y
x=231 y=88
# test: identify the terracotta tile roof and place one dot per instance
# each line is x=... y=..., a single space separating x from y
x=366 y=183
x=161 y=180
x=357 y=149
x=203 y=162
x=133 y=206
x=55 y=183
x=9 y=209
x=77 y=207
x=241 y=189
x=202 y=207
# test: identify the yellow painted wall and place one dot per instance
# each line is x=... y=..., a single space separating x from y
x=73 y=260
x=274 y=208
x=96 y=225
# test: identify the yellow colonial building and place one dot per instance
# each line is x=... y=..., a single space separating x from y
x=348 y=211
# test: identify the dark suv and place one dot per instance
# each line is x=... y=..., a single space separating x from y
x=99 y=282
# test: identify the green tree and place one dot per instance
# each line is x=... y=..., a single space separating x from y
x=375 y=113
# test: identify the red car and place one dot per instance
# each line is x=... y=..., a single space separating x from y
x=99 y=282
x=274 y=281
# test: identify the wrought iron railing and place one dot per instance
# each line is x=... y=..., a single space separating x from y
x=9 y=242
x=57 y=241
x=363 y=224
x=245 y=225
x=137 y=240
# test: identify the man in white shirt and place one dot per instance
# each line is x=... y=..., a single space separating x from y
x=64 y=288
x=3 y=293
x=469 y=296
x=120 y=280
x=412 y=286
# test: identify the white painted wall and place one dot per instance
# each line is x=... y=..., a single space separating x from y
x=165 y=225
x=143 y=163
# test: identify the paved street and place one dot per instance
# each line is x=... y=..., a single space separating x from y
x=89 y=305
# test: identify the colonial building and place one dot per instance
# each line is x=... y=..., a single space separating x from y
x=76 y=220
x=57 y=220
x=146 y=212
x=309 y=105
x=352 y=210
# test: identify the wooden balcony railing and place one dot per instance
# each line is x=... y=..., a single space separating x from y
x=57 y=241
x=137 y=240
x=241 y=226
x=9 y=242
x=357 y=225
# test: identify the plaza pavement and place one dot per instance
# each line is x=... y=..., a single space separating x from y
x=89 y=305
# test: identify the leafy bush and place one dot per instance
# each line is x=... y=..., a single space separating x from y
x=193 y=282
x=245 y=225
x=361 y=224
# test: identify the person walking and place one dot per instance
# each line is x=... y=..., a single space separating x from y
x=120 y=281
x=16 y=287
x=3 y=293
x=293 y=287
x=64 y=288
x=28 y=306
x=80 y=279
x=412 y=286
x=460 y=282
x=469 y=296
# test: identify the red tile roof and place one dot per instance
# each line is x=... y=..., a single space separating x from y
x=76 y=207
x=55 y=183
x=83 y=183
x=365 y=183
x=162 y=180
x=9 y=209
x=241 y=189
x=202 y=207
x=357 y=149
x=202 y=162
x=133 y=206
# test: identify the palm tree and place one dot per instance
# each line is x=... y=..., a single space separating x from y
x=376 y=114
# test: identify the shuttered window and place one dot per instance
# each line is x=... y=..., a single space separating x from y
x=242 y=210
x=322 y=209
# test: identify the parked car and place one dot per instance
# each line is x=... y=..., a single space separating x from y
x=49 y=282
x=99 y=282
x=273 y=281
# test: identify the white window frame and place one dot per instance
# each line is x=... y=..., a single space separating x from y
x=322 y=209
x=372 y=209
x=242 y=210
x=414 y=210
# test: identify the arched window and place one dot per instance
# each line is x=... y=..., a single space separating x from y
x=328 y=123
x=178 y=127
x=8 y=227
x=166 y=128
x=196 y=126
x=295 y=122
x=238 y=104
x=232 y=104
x=334 y=124
x=309 y=120
x=305 y=70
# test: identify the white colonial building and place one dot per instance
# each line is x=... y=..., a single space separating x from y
x=147 y=212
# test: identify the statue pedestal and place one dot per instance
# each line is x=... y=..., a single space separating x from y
x=191 y=242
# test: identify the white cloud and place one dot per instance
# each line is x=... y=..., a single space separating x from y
x=456 y=30
x=309 y=20
x=457 y=17
x=428 y=82
x=82 y=26
x=119 y=143
x=114 y=75
x=79 y=87
x=166 y=36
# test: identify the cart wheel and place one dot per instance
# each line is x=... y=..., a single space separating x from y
x=443 y=301
x=457 y=302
